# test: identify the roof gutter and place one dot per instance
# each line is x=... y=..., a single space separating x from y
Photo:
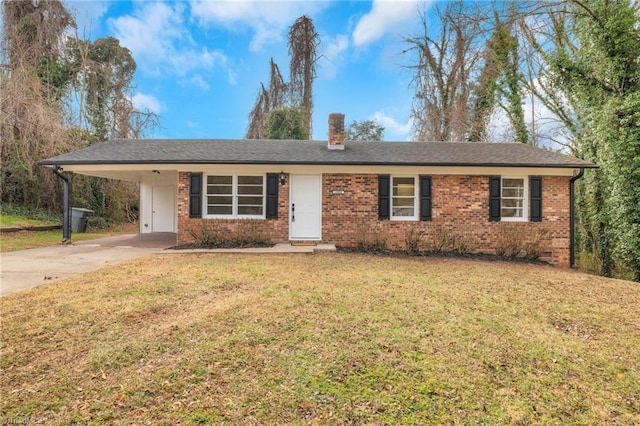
x=572 y=220
x=66 y=203
x=54 y=163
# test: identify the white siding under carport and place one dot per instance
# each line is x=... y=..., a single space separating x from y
x=158 y=210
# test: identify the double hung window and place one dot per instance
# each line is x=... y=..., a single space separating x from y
x=403 y=198
x=513 y=199
x=235 y=196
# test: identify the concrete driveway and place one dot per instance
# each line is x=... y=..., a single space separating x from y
x=23 y=269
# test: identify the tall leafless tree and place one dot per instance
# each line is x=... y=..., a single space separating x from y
x=33 y=31
x=544 y=31
x=484 y=99
x=268 y=99
x=43 y=67
x=31 y=116
x=446 y=65
x=298 y=93
x=278 y=88
x=257 y=127
x=303 y=44
x=504 y=46
x=104 y=76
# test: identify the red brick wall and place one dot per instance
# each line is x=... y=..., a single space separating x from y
x=336 y=131
x=460 y=208
x=189 y=228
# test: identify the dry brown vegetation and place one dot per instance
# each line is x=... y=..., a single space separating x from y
x=323 y=339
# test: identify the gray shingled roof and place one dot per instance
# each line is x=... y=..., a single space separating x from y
x=228 y=151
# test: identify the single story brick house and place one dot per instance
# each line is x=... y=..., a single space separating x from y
x=339 y=191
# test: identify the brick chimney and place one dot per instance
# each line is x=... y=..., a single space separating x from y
x=336 y=131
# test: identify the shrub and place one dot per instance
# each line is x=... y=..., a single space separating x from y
x=589 y=261
x=250 y=233
x=460 y=243
x=514 y=240
x=440 y=239
x=536 y=243
x=412 y=239
x=448 y=240
x=370 y=240
x=98 y=223
x=209 y=235
x=510 y=240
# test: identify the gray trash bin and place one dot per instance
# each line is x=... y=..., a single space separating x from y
x=79 y=219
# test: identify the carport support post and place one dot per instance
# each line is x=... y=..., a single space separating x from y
x=66 y=203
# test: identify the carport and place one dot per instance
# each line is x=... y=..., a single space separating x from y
x=157 y=183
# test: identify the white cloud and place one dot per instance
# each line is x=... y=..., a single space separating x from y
x=268 y=19
x=335 y=47
x=385 y=16
x=198 y=81
x=160 y=42
x=143 y=102
x=393 y=129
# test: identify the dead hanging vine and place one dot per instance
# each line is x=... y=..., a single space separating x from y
x=298 y=93
x=303 y=44
x=59 y=93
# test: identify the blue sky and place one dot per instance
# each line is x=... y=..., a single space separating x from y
x=200 y=63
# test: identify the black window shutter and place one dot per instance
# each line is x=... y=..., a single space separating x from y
x=272 y=196
x=195 y=195
x=425 y=197
x=494 y=198
x=384 y=202
x=535 y=192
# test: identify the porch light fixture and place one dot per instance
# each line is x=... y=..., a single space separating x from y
x=283 y=178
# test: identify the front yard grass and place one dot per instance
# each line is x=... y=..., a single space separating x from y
x=11 y=220
x=323 y=339
x=31 y=239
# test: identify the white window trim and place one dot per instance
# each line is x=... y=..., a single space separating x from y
x=525 y=201
x=234 y=197
x=416 y=201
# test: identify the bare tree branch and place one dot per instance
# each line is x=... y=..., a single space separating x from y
x=303 y=44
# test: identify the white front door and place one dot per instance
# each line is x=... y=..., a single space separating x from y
x=305 y=210
x=163 y=209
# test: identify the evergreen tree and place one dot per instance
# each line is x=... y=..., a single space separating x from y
x=602 y=73
x=366 y=130
x=287 y=123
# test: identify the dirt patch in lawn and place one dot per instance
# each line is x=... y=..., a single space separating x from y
x=323 y=339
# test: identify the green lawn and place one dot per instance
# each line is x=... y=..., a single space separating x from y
x=9 y=220
x=323 y=339
x=31 y=239
x=12 y=241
